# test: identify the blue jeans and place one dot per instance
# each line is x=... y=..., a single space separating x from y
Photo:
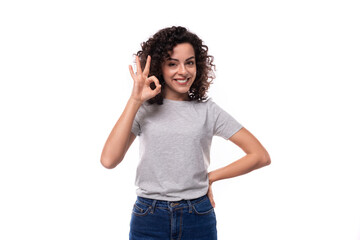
x=164 y=220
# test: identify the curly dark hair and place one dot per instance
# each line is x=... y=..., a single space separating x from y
x=158 y=47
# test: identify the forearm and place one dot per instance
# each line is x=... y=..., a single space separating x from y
x=115 y=146
x=242 y=166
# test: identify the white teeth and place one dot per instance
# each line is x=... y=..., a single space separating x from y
x=182 y=81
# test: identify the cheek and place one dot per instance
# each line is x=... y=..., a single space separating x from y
x=194 y=72
x=167 y=72
x=166 y=75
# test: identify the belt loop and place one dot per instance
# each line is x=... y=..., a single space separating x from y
x=190 y=206
x=153 y=206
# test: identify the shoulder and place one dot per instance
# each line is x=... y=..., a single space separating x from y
x=148 y=110
x=211 y=105
x=148 y=106
x=144 y=108
x=207 y=102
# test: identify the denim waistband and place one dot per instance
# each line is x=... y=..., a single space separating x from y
x=171 y=204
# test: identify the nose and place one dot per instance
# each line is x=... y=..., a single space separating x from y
x=182 y=69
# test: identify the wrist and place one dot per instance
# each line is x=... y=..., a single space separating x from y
x=135 y=101
x=211 y=178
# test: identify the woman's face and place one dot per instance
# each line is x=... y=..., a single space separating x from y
x=179 y=72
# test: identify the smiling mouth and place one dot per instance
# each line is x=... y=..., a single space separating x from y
x=182 y=81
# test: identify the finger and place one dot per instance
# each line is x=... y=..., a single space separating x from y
x=155 y=80
x=211 y=196
x=132 y=72
x=138 y=66
x=147 y=66
x=212 y=199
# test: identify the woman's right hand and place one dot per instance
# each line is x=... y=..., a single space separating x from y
x=141 y=89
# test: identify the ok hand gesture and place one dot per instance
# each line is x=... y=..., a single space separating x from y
x=141 y=89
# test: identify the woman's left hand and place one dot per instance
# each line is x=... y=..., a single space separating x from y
x=210 y=193
x=211 y=197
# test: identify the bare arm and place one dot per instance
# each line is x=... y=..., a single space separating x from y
x=121 y=137
x=256 y=157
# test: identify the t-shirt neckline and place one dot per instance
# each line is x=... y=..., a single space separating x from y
x=177 y=101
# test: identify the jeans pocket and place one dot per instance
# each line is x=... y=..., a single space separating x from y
x=140 y=209
x=203 y=207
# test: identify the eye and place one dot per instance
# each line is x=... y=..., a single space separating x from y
x=191 y=63
x=171 y=64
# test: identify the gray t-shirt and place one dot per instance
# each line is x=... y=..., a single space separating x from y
x=175 y=140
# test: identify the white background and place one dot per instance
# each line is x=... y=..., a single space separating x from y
x=287 y=70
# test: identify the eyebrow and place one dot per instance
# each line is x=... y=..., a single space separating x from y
x=174 y=59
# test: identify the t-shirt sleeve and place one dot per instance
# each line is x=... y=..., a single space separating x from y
x=225 y=125
x=136 y=128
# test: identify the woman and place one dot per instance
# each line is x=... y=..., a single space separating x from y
x=175 y=121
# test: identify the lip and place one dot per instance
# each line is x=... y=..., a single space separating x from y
x=188 y=79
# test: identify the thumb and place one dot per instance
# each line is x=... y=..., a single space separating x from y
x=211 y=197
